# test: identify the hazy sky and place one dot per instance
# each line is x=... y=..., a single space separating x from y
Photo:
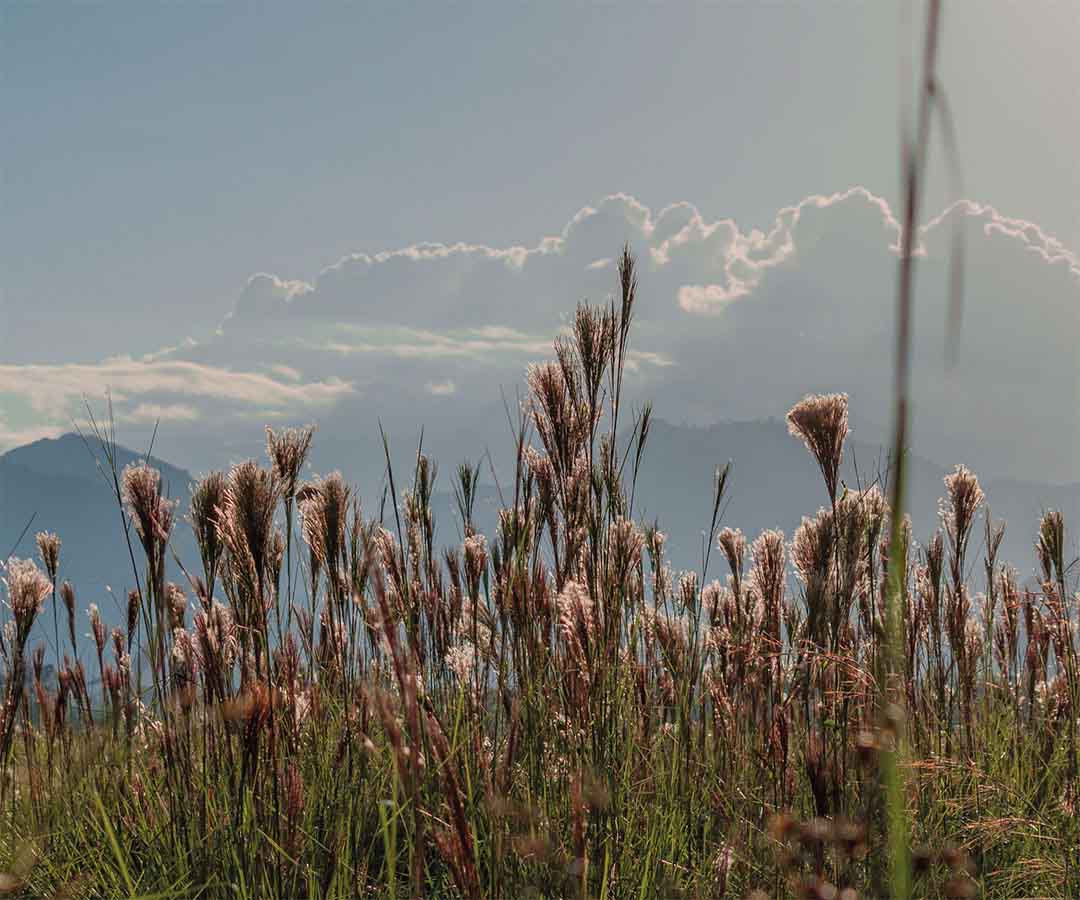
x=156 y=155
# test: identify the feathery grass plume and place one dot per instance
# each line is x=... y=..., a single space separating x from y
x=562 y=421
x=593 y=330
x=670 y=634
x=27 y=587
x=288 y=450
x=625 y=544
x=964 y=499
x=324 y=511
x=97 y=627
x=859 y=516
x=245 y=519
x=655 y=540
x=767 y=577
x=149 y=510
x=715 y=601
x=152 y=515
x=277 y=557
x=465 y=485
x=766 y=580
x=184 y=657
x=1007 y=629
x=119 y=650
x=475 y=553
x=1050 y=546
x=461 y=659
x=821 y=421
x=812 y=558
x=245 y=523
x=176 y=604
x=49 y=547
x=134 y=602
x=67 y=597
x=217 y=647
x=578 y=628
x=732 y=543
x=207 y=496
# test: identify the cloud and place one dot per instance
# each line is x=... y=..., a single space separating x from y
x=413 y=343
x=165 y=412
x=708 y=298
x=435 y=286
x=171 y=390
x=16 y=437
x=733 y=321
x=264 y=294
x=49 y=387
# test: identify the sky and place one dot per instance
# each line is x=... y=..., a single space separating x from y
x=231 y=213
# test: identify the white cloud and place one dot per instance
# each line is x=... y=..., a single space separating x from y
x=708 y=299
x=733 y=321
x=16 y=437
x=48 y=388
x=164 y=412
x=412 y=343
x=176 y=391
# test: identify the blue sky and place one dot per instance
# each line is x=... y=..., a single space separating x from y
x=156 y=155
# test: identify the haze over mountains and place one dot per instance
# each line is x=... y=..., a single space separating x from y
x=55 y=485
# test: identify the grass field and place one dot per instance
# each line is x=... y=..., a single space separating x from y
x=333 y=707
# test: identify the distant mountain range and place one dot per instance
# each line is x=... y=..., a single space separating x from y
x=775 y=482
x=55 y=485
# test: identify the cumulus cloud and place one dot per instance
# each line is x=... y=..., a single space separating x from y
x=733 y=321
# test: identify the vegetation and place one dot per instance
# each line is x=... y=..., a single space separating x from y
x=355 y=711
x=332 y=706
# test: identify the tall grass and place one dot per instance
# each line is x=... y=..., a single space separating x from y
x=334 y=706
x=343 y=709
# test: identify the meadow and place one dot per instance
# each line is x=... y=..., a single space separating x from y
x=332 y=706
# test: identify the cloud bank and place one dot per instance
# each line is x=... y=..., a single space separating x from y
x=733 y=322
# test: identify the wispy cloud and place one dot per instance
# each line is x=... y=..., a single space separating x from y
x=48 y=388
x=141 y=391
x=163 y=412
x=415 y=343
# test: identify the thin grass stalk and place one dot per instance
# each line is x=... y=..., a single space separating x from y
x=915 y=152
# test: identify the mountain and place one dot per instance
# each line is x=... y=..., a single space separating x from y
x=56 y=485
x=773 y=484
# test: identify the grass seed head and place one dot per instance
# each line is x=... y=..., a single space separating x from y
x=49 y=547
x=821 y=421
